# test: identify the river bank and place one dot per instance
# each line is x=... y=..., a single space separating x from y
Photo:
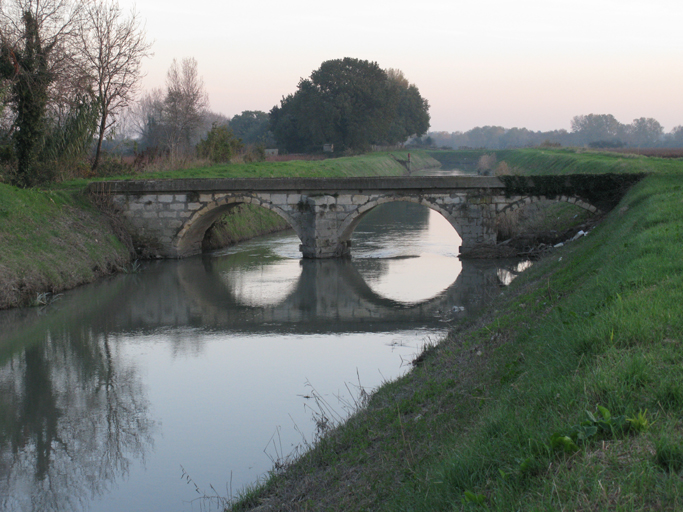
x=565 y=395
x=53 y=240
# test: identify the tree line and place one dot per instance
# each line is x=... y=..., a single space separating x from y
x=592 y=130
x=348 y=103
x=69 y=76
x=177 y=122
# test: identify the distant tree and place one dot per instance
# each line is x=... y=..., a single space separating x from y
x=112 y=48
x=675 y=137
x=485 y=136
x=174 y=120
x=148 y=117
x=350 y=103
x=598 y=127
x=411 y=116
x=219 y=145
x=645 y=132
x=516 y=138
x=253 y=127
x=210 y=118
x=185 y=105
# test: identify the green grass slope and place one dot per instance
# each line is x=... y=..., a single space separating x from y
x=566 y=395
x=51 y=241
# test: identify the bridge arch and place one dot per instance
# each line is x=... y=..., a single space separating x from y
x=190 y=236
x=349 y=224
x=525 y=201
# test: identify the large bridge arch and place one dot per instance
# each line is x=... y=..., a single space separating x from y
x=350 y=224
x=189 y=238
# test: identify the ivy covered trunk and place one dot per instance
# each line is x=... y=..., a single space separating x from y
x=27 y=67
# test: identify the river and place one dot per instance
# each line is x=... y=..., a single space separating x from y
x=188 y=379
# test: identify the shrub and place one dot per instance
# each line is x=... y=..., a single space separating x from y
x=220 y=144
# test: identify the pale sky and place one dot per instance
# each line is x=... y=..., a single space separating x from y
x=523 y=63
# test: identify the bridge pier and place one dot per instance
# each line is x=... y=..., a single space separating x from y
x=320 y=218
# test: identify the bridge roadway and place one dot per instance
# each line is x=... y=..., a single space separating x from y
x=169 y=218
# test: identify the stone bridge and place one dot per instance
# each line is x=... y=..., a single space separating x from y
x=171 y=217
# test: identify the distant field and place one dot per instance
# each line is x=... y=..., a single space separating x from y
x=657 y=152
x=390 y=163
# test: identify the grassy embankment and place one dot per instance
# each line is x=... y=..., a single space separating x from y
x=566 y=395
x=52 y=240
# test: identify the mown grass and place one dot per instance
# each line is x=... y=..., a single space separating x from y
x=495 y=417
x=578 y=161
x=51 y=241
x=373 y=164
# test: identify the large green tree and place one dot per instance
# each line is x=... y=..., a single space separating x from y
x=352 y=104
x=411 y=109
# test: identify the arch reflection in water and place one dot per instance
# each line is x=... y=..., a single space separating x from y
x=328 y=296
x=405 y=252
x=407 y=265
x=265 y=285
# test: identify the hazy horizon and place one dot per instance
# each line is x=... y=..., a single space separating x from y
x=532 y=64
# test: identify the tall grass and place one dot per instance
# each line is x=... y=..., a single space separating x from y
x=602 y=327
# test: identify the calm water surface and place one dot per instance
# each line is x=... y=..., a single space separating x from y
x=130 y=393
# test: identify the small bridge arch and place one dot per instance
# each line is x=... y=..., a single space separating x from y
x=525 y=201
x=189 y=238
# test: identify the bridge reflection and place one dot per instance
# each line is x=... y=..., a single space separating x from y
x=327 y=296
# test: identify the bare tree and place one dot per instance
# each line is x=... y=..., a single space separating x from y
x=36 y=58
x=56 y=23
x=184 y=106
x=148 y=118
x=112 y=48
